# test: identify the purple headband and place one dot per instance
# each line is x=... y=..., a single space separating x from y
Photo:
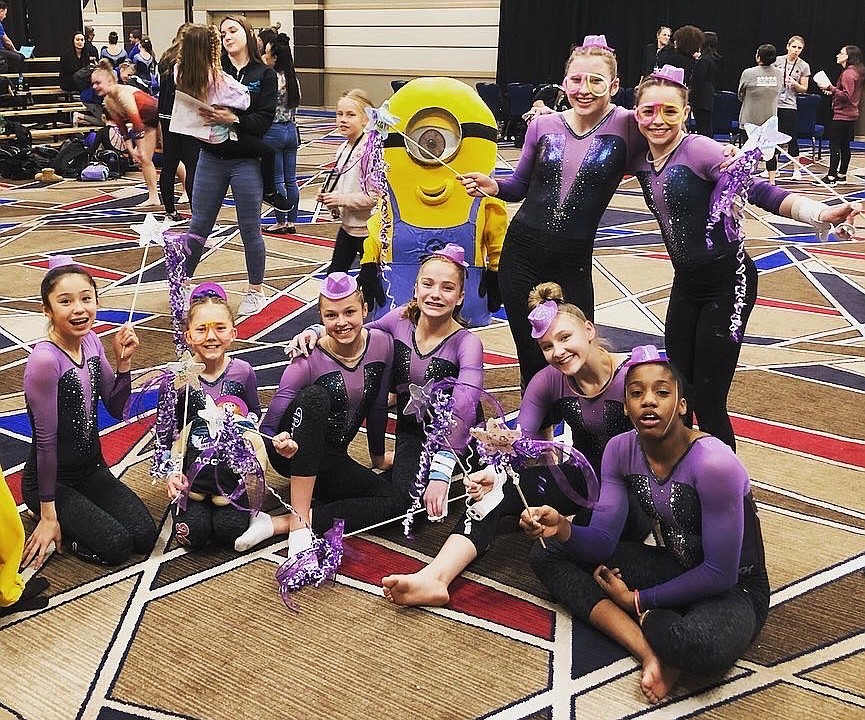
x=598 y=41
x=208 y=289
x=643 y=354
x=671 y=74
x=234 y=400
x=453 y=252
x=542 y=317
x=56 y=261
x=338 y=285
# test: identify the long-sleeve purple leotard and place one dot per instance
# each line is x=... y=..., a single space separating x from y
x=61 y=398
x=460 y=355
x=356 y=394
x=566 y=182
x=713 y=287
x=100 y=518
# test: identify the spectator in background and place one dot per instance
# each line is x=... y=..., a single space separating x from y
x=134 y=43
x=683 y=50
x=75 y=65
x=846 y=94
x=8 y=51
x=89 y=48
x=650 y=54
x=704 y=81
x=126 y=74
x=758 y=91
x=794 y=80
x=113 y=51
x=146 y=66
x=283 y=135
x=179 y=152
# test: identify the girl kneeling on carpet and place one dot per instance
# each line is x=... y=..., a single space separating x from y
x=209 y=517
x=698 y=597
x=581 y=385
x=321 y=403
x=430 y=342
x=66 y=480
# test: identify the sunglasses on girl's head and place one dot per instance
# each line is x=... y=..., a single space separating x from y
x=670 y=113
x=596 y=83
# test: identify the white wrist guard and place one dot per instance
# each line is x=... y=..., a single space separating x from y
x=480 y=509
x=808 y=211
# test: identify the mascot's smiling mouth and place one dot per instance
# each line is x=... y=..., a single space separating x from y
x=435 y=195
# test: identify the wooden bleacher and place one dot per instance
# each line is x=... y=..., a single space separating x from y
x=49 y=120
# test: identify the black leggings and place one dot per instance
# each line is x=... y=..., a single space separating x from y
x=345 y=250
x=840 y=137
x=697 y=336
x=530 y=257
x=101 y=519
x=540 y=488
x=703 y=119
x=771 y=163
x=176 y=148
x=705 y=637
x=788 y=124
x=203 y=522
x=343 y=487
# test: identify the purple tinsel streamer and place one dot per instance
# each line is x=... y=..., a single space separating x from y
x=175 y=269
x=231 y=448
x=729 y=204
x=165 y=428
x=437 y=430
x=312 y=567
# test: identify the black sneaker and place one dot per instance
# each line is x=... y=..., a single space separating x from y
x=841 y=179
x=829 y=180
x=278 y=201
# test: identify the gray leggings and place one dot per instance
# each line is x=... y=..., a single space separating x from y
x=705 y=637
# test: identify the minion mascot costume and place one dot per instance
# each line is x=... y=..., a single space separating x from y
x=428 y=206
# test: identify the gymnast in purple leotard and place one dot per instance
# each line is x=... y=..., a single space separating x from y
x=715 y=281
x=81 y=506
x=698 y=597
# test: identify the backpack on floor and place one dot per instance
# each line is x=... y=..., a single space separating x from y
x=19 y=163
x=117 y=162
x=71 y=159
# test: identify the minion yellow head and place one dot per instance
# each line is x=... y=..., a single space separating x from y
x=445 y=121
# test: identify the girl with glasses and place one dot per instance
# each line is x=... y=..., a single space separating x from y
x=712 y=285
x=209 y=517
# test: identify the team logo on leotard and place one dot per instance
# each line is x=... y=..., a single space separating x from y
x=181 y=533
x=297 y=419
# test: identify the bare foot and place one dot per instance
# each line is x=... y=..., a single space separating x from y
x=149 y=203
x=415 y=589
x=658 y=679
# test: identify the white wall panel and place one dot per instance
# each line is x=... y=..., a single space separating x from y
x=422 y=17
x=411 y=60
x=412 y=37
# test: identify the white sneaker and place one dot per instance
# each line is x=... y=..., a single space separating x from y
x=797 y=174
x=252 y=303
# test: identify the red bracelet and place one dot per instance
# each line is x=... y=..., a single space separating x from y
x=637 y=602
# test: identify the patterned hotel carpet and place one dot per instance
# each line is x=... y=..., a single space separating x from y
x=205 y=635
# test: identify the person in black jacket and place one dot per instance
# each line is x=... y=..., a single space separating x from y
x=214 y=174
x=683 y=50
x=72 y=61
x=653 y=49
x=703 y=82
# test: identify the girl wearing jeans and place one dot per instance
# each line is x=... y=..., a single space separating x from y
x=283 y=136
